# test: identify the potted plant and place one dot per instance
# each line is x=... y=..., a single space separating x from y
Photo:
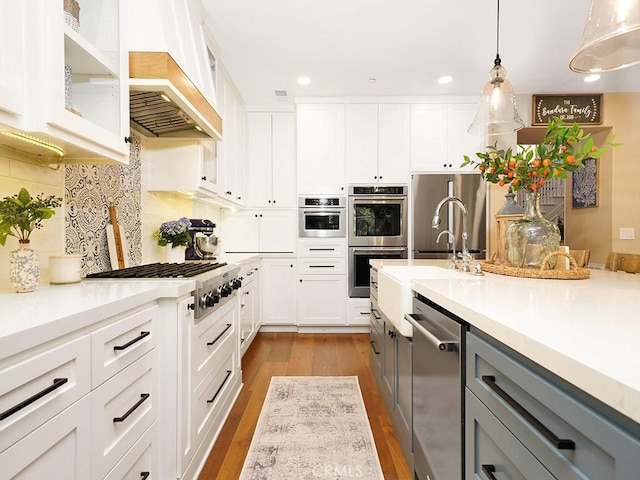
x=175 y=236
x=563 y=149
x=20 y=215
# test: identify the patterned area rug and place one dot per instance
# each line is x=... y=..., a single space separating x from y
x=312 y=428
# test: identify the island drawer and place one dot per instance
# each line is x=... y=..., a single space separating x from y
x=34 y=390
x=491 y=449
x=121 y=343
x=558 y=424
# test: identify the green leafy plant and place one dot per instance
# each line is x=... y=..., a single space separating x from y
x=20 y=214
x=563 y=149
x=174 y=232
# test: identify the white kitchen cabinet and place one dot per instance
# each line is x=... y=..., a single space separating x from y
x=359 y=312
x=60 y=449
x=320 y=133
x=377 y=143
x=250 y=305
x=278 y=291
x=13 y=63
x=88 y=114
x=321 y=300
x=322 y=282
x=271 y=160
x=190 y=166
x=73 y=409
x=265 y=231
x=439 y=137
x=231 y=150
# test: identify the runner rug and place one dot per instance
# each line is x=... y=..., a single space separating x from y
x=312 y=428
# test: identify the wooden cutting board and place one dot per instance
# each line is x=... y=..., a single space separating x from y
x=116 y=242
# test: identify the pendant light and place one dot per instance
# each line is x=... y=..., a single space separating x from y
x=611 y=38
x=497 y=111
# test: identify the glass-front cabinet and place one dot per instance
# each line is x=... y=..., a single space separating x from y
x=77 y=79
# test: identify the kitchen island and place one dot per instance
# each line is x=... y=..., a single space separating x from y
x=566 y=350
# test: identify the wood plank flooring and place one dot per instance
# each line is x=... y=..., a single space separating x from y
x=301 y=354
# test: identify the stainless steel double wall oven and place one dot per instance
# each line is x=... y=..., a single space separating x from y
x=377 y=223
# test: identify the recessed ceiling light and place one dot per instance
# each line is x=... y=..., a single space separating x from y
x=303 y=80
x=591 y=78
x=445 y=79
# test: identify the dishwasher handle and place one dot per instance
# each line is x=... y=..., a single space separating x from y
x=441 y=345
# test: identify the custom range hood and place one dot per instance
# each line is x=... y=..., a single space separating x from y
x=164 y=102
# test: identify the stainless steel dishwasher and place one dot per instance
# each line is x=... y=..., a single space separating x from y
x=438 y=391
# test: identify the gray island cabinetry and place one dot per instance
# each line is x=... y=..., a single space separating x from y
x=524 y=422
x=549 y=380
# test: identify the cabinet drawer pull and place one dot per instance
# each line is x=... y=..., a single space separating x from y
x=559 y=443
x=144 y=475
x=219 y=336
x=373 y=347
x=322 y=249
x=213 y=399
x=131 y=342
x=376 y=314
x=488 y=471
x=322 y=266
x=143 y=397
x=57 y=383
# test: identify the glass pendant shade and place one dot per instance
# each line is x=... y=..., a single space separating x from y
x=611 y=38
x=497 y=111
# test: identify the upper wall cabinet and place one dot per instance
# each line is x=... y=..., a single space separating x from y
x=439 y=137
x=377 y=143
x=321 y=149
x=231 y=150
x=271 y=159
x=75 y=81
x=13 y=19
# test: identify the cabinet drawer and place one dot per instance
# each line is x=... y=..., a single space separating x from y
x=520 y=396
x=313 y=248
x=214 y=333
x=121 y=343
x=358 y=311
x=141 y=462
x=491 y=449
x=123 y=408
x=322 y=266
x=59 y=449
x=33 y=391
x=211 y=393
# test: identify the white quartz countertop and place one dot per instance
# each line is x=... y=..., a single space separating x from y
x=29 y=319
x=585 y=331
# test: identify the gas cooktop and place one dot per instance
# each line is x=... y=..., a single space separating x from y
x=160 y=270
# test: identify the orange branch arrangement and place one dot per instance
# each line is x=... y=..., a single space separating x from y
x=563 y=149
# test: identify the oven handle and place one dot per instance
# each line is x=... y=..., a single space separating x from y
x=386 y=198
x=382 y=251
x=323 y=213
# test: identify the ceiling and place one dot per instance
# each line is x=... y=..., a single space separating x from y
x=405 y=45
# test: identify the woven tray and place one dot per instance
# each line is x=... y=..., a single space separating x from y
x=574 y=272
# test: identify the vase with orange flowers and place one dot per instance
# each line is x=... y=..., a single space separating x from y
x=562 y=150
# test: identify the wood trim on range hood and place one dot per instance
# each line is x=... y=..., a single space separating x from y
x=155 y=73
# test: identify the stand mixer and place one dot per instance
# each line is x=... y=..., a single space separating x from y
x=204 y=243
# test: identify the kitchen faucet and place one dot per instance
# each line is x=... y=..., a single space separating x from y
x=435 y=223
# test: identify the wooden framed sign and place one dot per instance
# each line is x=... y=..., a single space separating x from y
x=584 y=109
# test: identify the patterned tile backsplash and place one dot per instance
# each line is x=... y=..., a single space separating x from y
x=89 y=190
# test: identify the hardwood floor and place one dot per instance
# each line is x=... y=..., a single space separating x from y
x=301 y=354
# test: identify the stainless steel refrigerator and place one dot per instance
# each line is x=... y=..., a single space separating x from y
x=426 y=191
